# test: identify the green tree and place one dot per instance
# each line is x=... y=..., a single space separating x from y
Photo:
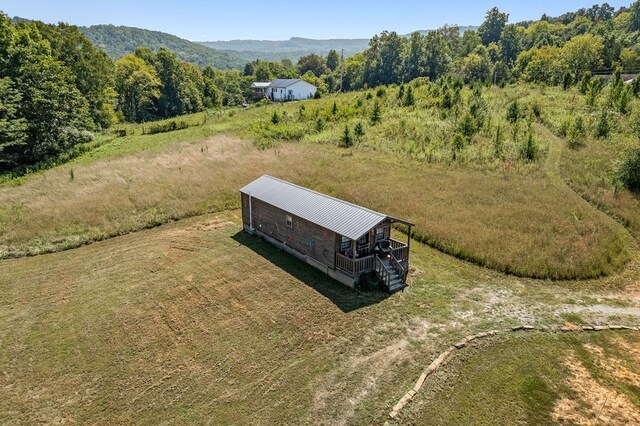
x=92 y=69
x=137 y=86
x=376 y=113
x=583 y=52
x=413 y=67
x=476 y=67
x=513 y=112
x=333 y=60
x=409 y=97
x=358 y=130
x=634 y=21
x=492 y=27
x=13 y=128
x=437 y=55
x=509 y=44
x=346 y=139
x=314 y=63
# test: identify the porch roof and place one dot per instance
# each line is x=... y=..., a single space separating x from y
x=341 y=217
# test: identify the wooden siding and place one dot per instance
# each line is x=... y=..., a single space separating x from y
x=245 y=209
x=306 y=237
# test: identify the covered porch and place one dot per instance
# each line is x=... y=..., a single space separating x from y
x=388 y=257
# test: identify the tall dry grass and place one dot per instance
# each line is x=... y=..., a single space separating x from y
x=517 y=224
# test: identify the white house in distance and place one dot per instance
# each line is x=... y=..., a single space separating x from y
x=285 y=89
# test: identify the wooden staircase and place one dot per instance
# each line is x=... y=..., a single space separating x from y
x=391 y=274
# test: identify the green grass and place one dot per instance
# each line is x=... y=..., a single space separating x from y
x=197 y=320
x=520 y=379
x=502 y=212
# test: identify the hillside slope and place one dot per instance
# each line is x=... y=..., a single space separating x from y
x=118 y=41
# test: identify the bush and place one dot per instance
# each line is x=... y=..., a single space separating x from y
x=165 y=127
x=376 y=114
x=627 y=171
x=275 y=118
x=358 y=131
x=529 y=149
x=409 y=98
x=513 y=112
x=603 y=126
x=320 y=125
x=346 y=140
x=381 y=92
x=577 y=132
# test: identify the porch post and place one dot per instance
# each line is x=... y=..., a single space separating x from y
x=408 y=242
x=353 y=260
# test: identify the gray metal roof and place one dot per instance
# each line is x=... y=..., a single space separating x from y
x=344 y=218
x=284 y=82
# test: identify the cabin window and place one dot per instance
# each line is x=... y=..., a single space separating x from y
x=345 y=244
x=364 y=240
x=289 y=221
x=379 y=234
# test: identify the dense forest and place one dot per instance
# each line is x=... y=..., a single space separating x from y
x=57 y=88
x=118 y=41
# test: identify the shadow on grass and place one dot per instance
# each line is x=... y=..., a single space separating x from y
x=343 y=297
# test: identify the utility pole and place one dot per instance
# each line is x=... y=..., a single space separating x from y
x=341 y=69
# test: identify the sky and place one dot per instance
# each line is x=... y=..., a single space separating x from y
x=210 y=20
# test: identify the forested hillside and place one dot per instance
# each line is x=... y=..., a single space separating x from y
x=58 y=89
x=118 y=41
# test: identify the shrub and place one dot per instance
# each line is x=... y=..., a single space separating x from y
x=457 y=144
x=275 y=118
x=529 y=149
x=584 y=81
x=165 y=127
x=334 y=108
x=567 y=81
x=317 y=95
x=603 y=126
x=409 y=98
x=497 y=142
x=593 y=91
x=346 y=140
x=577 y=132
x=358 y=130
x=401 y=92
x=627 y=171
x=376 y=114
x=320 y=125
x=513 y=112
x=381 y=92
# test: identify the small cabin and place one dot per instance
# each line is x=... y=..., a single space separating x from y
x=290 y=89
x=339 y=238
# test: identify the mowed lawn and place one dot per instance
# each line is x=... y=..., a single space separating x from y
x=197 y=322
x=188 y=323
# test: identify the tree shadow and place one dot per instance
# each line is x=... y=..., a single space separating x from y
x=343 y=297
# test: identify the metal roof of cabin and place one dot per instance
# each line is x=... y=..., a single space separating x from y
x=284 y=82
x=260 y=84
x=336 y=215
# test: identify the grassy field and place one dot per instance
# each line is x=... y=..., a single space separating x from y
x=536 y=379
x=503 y=213
x=197 y=320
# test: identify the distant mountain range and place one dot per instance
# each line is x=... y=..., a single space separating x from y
x=118 y=41
x=298 y=46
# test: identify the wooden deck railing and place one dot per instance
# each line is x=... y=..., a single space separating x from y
x=399 y=250
x=383 y=272
x=354 y=266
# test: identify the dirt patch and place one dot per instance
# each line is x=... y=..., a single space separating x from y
x=593 y=401
x=613 y=366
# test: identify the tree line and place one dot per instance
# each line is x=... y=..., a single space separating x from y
x=57 y=88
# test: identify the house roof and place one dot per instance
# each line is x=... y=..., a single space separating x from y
x=260 y=84
x=336 y=215
x=284 y=82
